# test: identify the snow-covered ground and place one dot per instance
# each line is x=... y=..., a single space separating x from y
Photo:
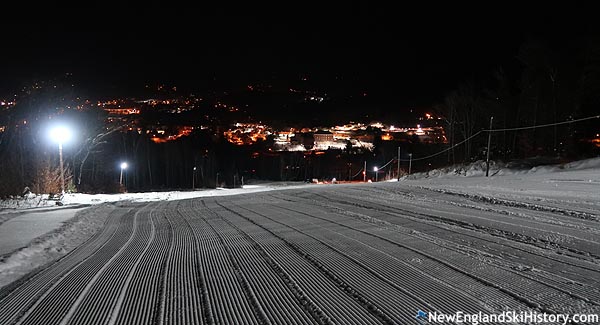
x=35 y=231
x=19 y=231
x=48 y=231
x=78 y=198
x=574 y=182
x=42 y=201
x=44 y=237
x=520 y=240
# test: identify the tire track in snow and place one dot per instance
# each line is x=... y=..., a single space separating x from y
x=56 y=302
x=483 y=281
x=589 y=294
x=559 y=301
x=353 y=292
x=193 y=274
x=240 y=276
x=498 y=231
x=119 y=303
x=303 y=299
x=226 y=298
x=525 y=205
x=432 y=221
x=21 y=295
x=78 y=309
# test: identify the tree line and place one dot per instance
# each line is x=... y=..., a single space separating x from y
x=556 y=82
x=553 y=83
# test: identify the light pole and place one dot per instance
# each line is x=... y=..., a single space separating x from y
x=398 y=164
x=487 y=154
x=409 y=162
x=194 y=179
x=61 y=134
x=376 y=170
x=123 y=166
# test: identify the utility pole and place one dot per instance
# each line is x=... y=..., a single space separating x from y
x=365 y=172
x=349 y=172
x=62 y=170
x=409 y=162
x=487 y=159
x=398 y=164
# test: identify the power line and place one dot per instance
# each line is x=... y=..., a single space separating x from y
x=543 y=125
x=382 y=167
x=357 y=173
x=445 y=150
x=502 y=130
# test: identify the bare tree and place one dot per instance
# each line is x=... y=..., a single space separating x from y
x=92 y=145
x=466 y=106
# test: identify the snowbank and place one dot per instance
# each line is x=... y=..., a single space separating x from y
x=28 y=201
x=78 y=198
x=478 y=168
x=577 y=181
x=53 y=245
x=33 y=201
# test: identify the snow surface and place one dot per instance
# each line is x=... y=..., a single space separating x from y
x=34 y=231
x=78 y=198
x=19 y=231
x=577 y=183
x=53 y=245
x=32 y=201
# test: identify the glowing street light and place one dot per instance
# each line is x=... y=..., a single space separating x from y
x=61 y=135
x=123 y=166
x=376 y=170
x=194 y=179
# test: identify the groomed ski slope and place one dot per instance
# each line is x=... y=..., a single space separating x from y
x=346 y=254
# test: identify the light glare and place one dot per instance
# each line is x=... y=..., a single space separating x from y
x=60 y=134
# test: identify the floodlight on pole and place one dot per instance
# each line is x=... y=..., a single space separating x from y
x=123 y=166
x=194 y=179
x=61 y=135
x=376 y=170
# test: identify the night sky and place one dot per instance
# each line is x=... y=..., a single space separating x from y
x=408 y=56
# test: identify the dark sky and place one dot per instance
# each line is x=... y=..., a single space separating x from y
x=410 y=55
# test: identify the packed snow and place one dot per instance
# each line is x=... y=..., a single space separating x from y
x=19 y=231
x=69 y=234
x=346 y=254
x=35 y=231
x=32 y=201
x=577 y=183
